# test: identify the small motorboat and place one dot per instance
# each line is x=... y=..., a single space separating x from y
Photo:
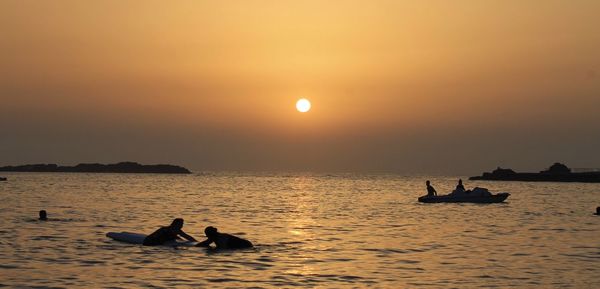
x=477 y=195
x=2 y=179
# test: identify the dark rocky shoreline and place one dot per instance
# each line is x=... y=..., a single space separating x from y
x=122 y=167
x=556 y=173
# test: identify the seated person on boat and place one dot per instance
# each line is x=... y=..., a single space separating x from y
x=430 y=189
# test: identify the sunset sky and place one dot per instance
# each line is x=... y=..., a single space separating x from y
x=452 y=87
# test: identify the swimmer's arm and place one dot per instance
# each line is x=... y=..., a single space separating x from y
x=204 y=243
x=188 y=237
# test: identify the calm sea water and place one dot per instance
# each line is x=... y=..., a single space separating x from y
x=329 y=231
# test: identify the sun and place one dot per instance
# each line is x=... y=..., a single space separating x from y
x=303 y=105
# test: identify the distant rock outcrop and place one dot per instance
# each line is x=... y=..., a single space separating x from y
x=122 y=167
x=557 y=168
x=556 y=173
x=503 y=172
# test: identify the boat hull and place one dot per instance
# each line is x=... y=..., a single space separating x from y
x=496 y=198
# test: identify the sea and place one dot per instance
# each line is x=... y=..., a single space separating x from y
x=309 y=230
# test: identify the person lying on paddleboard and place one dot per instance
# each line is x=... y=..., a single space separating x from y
x=169 y=233
x=223 y=241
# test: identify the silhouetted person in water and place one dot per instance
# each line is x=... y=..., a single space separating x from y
x=223 y=241
x=597 y=211
x=430 y=189
x=460 y=186
x=43 y=216
x=169 y=233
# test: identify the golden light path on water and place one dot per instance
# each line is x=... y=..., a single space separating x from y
x=310 y=230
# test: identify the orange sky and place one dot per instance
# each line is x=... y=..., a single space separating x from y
x=408 y=86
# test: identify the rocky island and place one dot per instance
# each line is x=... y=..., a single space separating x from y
x=122 y=167
x=556 y=173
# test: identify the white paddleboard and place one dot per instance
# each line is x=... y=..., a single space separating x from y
x=137 y=238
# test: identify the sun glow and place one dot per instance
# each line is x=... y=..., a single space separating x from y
x=303 y=105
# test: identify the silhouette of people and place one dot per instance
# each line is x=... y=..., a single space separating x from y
x=223 y=241
x=43 y=215
x=430 y=189
x=169 y=233
x=460 y=186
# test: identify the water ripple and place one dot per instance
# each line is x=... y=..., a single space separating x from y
x=330 y=231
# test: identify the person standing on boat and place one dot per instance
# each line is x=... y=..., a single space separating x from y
x=430 y=189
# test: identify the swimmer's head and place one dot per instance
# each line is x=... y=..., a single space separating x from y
x=43 y=215
x=177 y=223
x=427 y=183
x=210 y=232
